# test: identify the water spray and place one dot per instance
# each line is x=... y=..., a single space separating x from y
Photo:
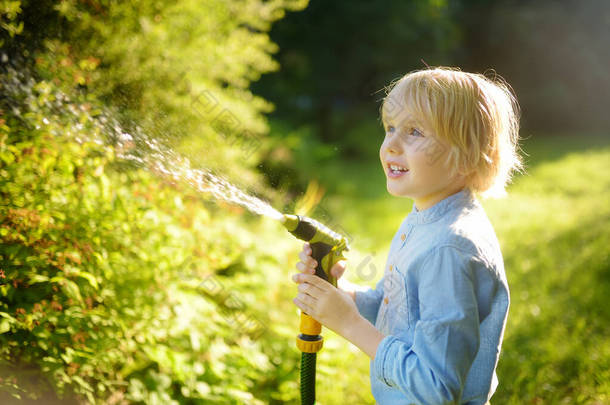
x=327 y=248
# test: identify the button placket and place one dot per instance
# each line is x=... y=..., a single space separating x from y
x=382 y=314
x=404 y=237
x=390 y=281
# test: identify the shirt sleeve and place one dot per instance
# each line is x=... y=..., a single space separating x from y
x=368 y=301
x=433 y=369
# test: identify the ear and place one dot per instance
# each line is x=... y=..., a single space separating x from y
x=463 y=170
x=463 y=176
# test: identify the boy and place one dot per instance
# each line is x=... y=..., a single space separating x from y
x=433 y=325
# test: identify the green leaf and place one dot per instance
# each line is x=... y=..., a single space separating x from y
x=7 y=316
x=89 y=277
x=38 y=278
x=7 y=157
x=72 y=290
x=5 y=326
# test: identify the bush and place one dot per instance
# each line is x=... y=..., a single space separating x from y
x=115 y=283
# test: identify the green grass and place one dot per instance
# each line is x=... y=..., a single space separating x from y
x=554 y=229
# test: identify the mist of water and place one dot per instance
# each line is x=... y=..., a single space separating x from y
x=133 y=146
x=163 y=161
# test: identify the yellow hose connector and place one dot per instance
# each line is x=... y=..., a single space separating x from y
x=310 y=327
x=310 y=347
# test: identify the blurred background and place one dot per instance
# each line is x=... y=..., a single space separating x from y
x=118 y=285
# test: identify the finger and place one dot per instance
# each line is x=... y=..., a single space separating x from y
x=304 y=307
x=307 y=259
x=311 y=279
x=338 y=269
x=309 y=289
x=304 y=269
x=306 y=299
x=307 y=248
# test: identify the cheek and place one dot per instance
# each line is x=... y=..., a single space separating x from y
x=382 y=149
x=429 y=155
x=417 y=154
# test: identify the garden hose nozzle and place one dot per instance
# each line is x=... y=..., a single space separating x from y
x=327 y=248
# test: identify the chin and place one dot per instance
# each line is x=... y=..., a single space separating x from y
x=397 y=193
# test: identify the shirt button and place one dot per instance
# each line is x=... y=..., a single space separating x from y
x=403 y=237
x=385 y=300
x=391 y=267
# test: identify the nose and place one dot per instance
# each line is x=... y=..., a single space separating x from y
x=391 y=144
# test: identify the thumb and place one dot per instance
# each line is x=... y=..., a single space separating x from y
x=338 y=269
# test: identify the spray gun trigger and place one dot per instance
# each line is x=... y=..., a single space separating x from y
x=339 y=249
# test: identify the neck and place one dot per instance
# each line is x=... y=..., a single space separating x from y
x=428 y=201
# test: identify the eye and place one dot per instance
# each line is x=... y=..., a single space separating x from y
x=415 y=132
x=390 y=129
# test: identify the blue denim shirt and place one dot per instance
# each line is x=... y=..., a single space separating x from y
x=442 y=304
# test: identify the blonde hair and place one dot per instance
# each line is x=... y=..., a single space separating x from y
x=478 y=116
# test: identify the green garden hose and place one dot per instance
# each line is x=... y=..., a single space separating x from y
x=308 y=378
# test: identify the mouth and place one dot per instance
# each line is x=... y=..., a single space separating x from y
x=395 y=170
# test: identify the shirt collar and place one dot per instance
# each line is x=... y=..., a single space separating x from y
x=431 y=214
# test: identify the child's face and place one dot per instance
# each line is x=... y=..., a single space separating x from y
x=420 y=156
